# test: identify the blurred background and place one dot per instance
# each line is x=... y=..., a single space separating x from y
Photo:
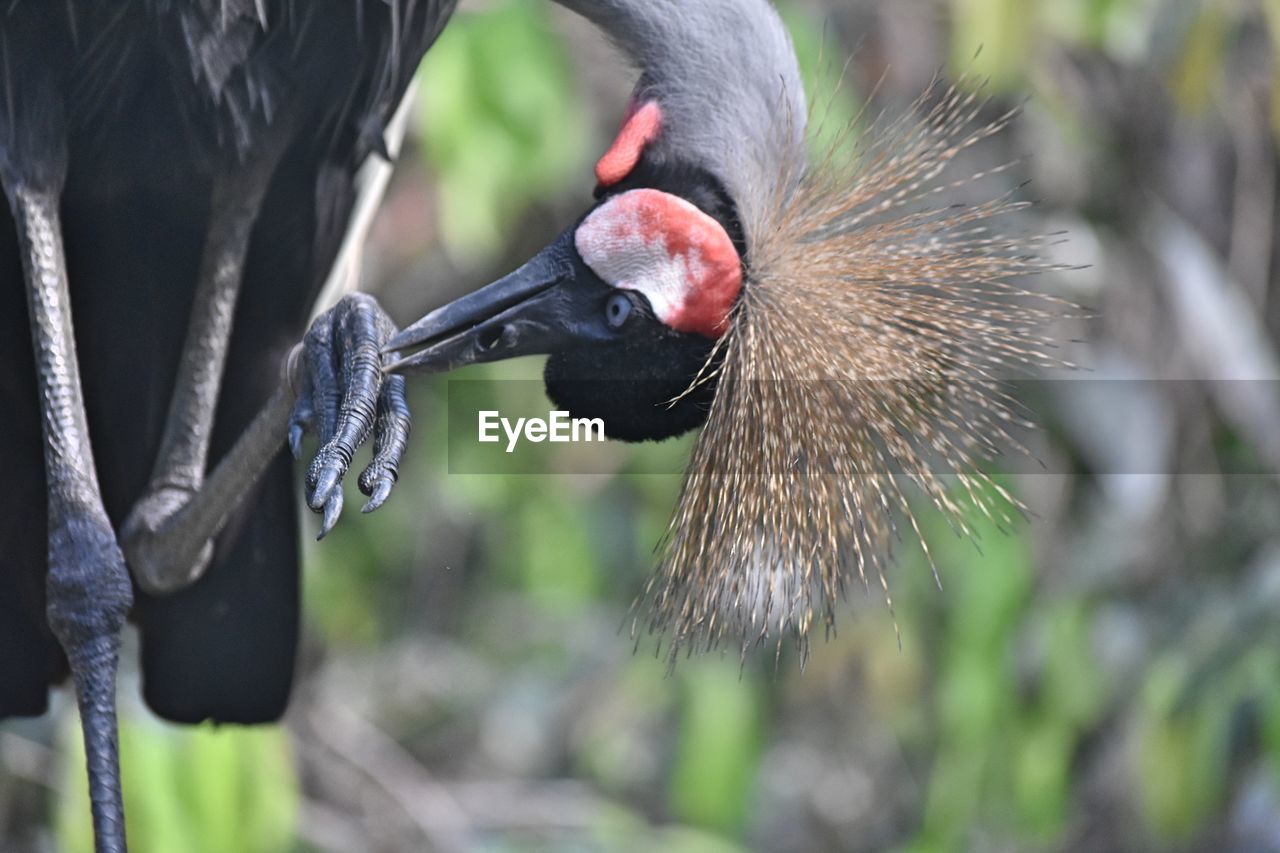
x=1105 y=676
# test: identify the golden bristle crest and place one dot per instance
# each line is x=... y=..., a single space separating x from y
x=863 y=360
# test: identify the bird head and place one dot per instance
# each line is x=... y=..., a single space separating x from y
x=837 y=328
x=628 y=303
x=631 y=300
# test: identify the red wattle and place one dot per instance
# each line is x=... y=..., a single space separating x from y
x=640 y=128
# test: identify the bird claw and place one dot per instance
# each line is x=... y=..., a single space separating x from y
x=345 y=398
x=327 y=479
x=296 y=432
x=381 y=492
x=332 y=510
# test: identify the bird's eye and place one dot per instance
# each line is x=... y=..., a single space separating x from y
x=617 y=310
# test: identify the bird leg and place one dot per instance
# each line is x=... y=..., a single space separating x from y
x=89 y=593
x=331 y=384
x=166 y=551
x=335 y=377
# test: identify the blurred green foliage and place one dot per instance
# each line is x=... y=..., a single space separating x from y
x=718 y=747
x=502 y=127
x=195 y=789
x=997 y=40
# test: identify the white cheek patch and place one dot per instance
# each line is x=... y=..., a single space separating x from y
x=617 y=250
x=662 y=246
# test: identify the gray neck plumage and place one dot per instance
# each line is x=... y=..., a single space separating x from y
x=726 y=76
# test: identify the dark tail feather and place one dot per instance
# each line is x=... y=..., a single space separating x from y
x=30 y=658
x=224 y=649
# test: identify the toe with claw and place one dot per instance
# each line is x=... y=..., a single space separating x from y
x=344 y=398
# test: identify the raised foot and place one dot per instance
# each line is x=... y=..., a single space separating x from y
x=344 y=398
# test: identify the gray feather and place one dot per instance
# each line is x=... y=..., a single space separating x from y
x=726 y=76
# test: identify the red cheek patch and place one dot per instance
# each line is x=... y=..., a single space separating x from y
x=639 y=128
x=660 y=245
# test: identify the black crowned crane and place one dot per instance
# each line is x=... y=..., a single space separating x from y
x=183 y=176
x=840 y=331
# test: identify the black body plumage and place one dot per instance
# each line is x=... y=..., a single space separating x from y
x=142 y=104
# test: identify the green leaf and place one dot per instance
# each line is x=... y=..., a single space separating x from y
x=832 y=103
x=557 y=565
x=195 y=789
x=500 y=124
x=993 y=39
x=1042 y=776
x=1182 y=753
x=1272 y=9
x=1194 y=79
x=1072 y=686
x=954 y=795
x=718 y=746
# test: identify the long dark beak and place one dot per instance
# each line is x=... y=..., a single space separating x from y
x=535 y=310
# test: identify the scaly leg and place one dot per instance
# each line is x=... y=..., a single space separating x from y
x=89 y=593
x=162 y=563
x=338 y=365
x=168 y=535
